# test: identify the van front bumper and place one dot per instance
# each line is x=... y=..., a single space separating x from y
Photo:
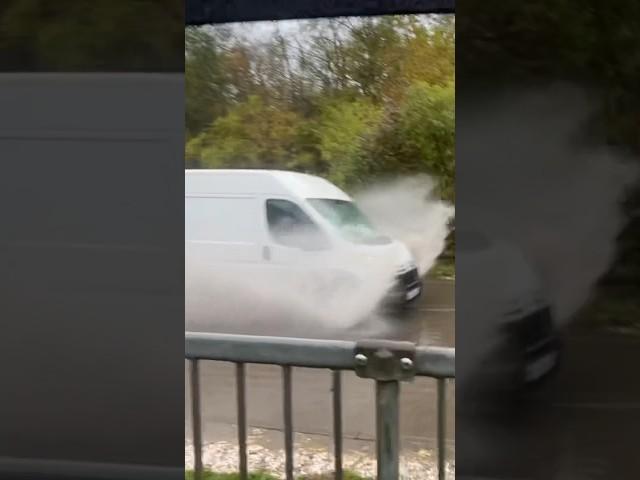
x=406 y=289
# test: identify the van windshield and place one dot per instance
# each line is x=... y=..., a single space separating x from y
x=349 y=220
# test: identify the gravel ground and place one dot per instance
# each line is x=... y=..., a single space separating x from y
x=222 y=456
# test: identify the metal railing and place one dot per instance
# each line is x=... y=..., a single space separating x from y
x=386 y=362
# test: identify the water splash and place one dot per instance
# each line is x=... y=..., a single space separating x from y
x=408 y=210
x=307 y=299
x=559 y=201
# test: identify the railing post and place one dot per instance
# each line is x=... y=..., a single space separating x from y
x=388 y=363
x=442 y=416
x=196 y=418
x=242 y=420
x=337 y=423
x=288 y=421
x=387 y=430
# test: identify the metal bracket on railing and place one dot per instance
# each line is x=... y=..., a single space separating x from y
x=385 y=360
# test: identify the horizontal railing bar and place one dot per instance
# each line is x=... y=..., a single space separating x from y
x=438 y=362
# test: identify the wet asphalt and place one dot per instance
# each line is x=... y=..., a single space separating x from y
x=430 y=321
x=581 y=423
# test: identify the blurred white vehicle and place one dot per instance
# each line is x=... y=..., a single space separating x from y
x=286 y=228
x=505 y=323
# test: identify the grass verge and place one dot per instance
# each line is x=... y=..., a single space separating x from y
x=613 y=311
x=208 y=475
x=444 y=269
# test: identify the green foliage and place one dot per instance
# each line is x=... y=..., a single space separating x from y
x=592 y=43
x=208 y=475
x=207 y=82
x=344 y=129
x=445 y=268
x=356 y=99
x=346 y=475
x=426 y=133
x=252 y=135
x=71 y=35
x=417 y=137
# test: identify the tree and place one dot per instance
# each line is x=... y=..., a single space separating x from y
x=207 y=82
x=239 y=70
x=352 y=99
x=252 y=134
x=321 y=58
x=418 y=137
x=428 y=56
x=373 y=55
x=343 y=130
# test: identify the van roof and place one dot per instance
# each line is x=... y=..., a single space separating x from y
x=270 y=182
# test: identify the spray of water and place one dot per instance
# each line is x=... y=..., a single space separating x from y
x=559 y=202
x=299 y=302
x=537 y=184
x=408 y=210
x=304 y=298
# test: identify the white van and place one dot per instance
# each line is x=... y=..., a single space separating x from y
x=289 y=227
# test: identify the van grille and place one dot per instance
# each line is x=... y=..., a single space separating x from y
x=409 y=279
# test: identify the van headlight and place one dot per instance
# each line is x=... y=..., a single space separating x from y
x=407 y=267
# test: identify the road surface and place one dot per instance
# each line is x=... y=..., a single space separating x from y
x=582 y=423
x=431 y=321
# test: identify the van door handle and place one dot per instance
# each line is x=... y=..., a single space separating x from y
x=266 y=253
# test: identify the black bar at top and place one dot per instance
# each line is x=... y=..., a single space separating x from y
x=199 y=12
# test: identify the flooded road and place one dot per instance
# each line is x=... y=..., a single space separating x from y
x=431 y=321
x=583 y=423
x=580 y=424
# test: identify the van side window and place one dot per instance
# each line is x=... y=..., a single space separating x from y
x=289 y=225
